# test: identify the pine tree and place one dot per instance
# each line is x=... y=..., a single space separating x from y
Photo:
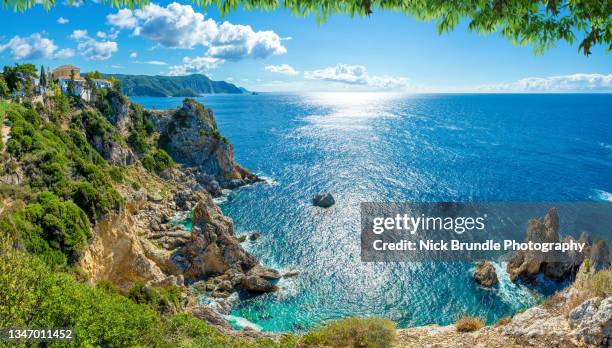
x=43 y=77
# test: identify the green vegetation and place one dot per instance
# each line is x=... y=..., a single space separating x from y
x=158 y=162
x=469 y=324
x=600 y=283
x=72 y=179
x=4 y=89
x=540 y=23
x=55 y=230
x=20 y=78
x=172 y=86
x=32 y=295
x=163 y=299
x=66 y=163
x=94 y=75
x=351 y=332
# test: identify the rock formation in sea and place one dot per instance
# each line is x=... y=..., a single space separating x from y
x=485 y=274
x=190 y=135
x=323 y=200
x=555 y=265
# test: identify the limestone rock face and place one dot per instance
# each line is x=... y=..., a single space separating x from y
x=485 y=274
x=526 y=265
x=114 y=152
x=592 y=321
x=118 y=254
x=190 y=135
x=215 y=251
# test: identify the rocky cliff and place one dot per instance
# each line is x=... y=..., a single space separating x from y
x=190 y=135
x=138 y=243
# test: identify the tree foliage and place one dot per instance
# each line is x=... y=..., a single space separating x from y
x=4 y=90
x=540 y=23
x=20 y=78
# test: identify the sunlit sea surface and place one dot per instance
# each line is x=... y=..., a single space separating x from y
x=383 y=147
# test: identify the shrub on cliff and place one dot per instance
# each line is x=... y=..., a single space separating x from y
x=159 y=162
x=55 y=230
x=63 y=161
x=468 y=324
x=351 y=332
x=600 y=283
x=163 y=299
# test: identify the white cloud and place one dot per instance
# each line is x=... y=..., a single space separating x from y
x=284 y=69
x=64 y=53
x=179 y=26
x=62 y=20
x=561 y=83
x=101 y=34
x=356 y=75
x=353 y=74
x=34 y=46
x=197 y=65
x=152 y=62
x=91 y=48
x=124 y=19
x=78 y=34
x=97 y=50
x=133 y=55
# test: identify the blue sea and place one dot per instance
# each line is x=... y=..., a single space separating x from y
x=375 y=147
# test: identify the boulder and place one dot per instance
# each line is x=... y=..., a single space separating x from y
x=323 y=200
x=214 y=188
x=254 y=236
x=265 y=273
x=257 y=284
x=485 y=274
x=591 y=321
x=260 y=279
x=210 y=316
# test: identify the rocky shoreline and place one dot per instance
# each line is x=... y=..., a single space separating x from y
x=141 y=244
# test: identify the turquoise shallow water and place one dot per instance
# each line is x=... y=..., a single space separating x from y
x=380 y=147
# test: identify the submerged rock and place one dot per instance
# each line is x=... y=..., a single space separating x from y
x=323 y=200
x=291 y=274
x=485 y=274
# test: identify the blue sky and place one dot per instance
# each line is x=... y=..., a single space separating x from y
x=274 y=51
